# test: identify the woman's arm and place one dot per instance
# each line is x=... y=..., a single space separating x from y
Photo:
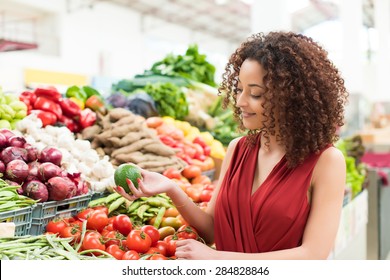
x=328 y=181
x=202 y=220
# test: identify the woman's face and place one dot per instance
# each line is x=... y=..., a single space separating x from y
x=250 y=92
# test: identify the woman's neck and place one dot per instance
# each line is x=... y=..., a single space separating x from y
x=272 y=145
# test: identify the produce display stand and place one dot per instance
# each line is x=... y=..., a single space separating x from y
x=351 y=240
x=378 y=247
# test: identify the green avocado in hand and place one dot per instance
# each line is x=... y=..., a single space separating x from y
x=127 y=170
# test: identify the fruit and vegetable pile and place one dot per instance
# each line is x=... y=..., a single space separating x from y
x=57 y=147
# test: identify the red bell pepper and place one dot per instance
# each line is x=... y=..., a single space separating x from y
x=49 y=105
x=69 y=107
x=87 y=118
x=48 y=92
x=71 y=124
x=28 y=98
x=47 y=118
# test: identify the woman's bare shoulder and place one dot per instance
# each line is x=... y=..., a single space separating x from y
x=330 y=164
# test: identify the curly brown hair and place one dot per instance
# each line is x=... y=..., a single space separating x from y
x=304 y=93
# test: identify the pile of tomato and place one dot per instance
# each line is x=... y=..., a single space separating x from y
x=118 y=236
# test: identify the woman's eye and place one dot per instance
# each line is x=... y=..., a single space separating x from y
x=256 y=96
x=238 y=90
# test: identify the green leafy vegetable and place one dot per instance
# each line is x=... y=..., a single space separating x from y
x=192 y=65
x=169 y=98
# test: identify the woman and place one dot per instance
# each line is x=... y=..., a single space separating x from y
x=281 y=186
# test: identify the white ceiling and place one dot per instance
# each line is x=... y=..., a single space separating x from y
x=229 y=21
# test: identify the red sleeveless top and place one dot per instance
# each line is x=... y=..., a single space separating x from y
x=274 y=217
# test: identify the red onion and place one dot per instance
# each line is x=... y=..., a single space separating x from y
x=2 y=167
x=48 y=170
x=7 y=133
x=17 y=170
x=82 y=186
x=16 y=141
x=33 y=170
x=32 y=152
x=3 y=141
x=51 y=154
x=61 y=188
x=11 y=153
x=37 y=190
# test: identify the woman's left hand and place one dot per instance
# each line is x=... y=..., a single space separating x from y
x=190 y=249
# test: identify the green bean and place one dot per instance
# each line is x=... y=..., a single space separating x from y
x=67 y=254
x=156 y=201
x=159 y=217
x=9 y=188
x=83 y=231
x=96 y=251
x=141 y=210
x=7 y=205
x=134 y=206
x=112 y=197
x=115 y=205
x=7 y=194
x=96 y=202
x=153 y=210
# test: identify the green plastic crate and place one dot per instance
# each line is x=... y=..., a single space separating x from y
x=44 y=212
x=21 y=217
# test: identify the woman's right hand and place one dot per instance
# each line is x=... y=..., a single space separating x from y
x=152 y=183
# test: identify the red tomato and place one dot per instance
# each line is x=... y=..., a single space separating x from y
x=187 y=232
x=152 y=232
x=172 y=173
x=109 y=227
x=101 y=208
x=115 y=251
x=56 y=226
x=71 y=231
x=156 y=257
x=113 y=237
x=92 y=240
x=201 y=179
x=162 y=247
x=191 y=171
x=84 y=214
x=139 y=241
x=111 y=219
x=77 y=223
x=97 y=221
x=194 y=193
x=122 y=223
x=154 y=250
x=131 y=255
x=69 y=220
x=205 y=195
x=171 y=245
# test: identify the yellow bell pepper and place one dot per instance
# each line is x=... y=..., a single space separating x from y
x=79 y=102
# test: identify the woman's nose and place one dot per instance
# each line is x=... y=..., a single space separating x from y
x=241 y=100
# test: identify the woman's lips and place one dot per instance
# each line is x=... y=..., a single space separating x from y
x=247 y=115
